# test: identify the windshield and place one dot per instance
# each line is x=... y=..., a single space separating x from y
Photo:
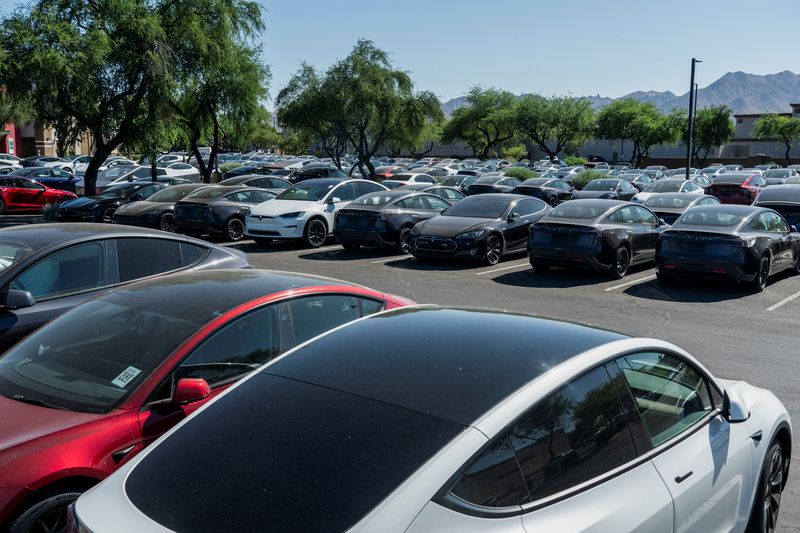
x=208 y=192
x=120 y=190
x=668 y=201
x=571 y=210
x=93 y=357
x=490 y=179
x=703 y=217
x=377 y=198
x=171 y=194
x=665 y=186
x=601 y=185
x=536 y=182
x=309 y=192
x=778 y=173
x=11 y=252
x=479 y=207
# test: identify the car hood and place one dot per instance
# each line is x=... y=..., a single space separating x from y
x=281 y=207
x=577 y=195
x=80 y=203
x=444 y=226
x=22 y=422
x=141 y=207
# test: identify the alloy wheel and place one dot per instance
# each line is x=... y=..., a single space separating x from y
x=167 y=222
x=622 y=262
x=53 y=522
x=2 y=207
x=235 y=229
x=553 y=201
x=494 y=250
x=772 y=492
x=108 y=215
x=316 y=233
x=404 y=240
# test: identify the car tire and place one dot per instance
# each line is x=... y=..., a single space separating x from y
x=492 y=250
x=2 y=207
x=315 y=233
x=766 y=505
x=234 y=229
x=761 y=277
x=622 y=262
x=351 y=246
x=404 y=240
x=797 y=263
x=108 y=215
x=48 y=514
x=167 y=222
x=553 y=201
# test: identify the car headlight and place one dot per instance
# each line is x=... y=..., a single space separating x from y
x=471 y=234
x=296 y=214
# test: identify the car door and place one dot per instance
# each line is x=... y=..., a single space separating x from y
x=650 y=225
x=58 y=282
x=31 y=195
x=15 y=194
x=779 y=231
x=516 y=232
x=636 y=232
x=762 y=224
x=705 y=461
x=225 y=356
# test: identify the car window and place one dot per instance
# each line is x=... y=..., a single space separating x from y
x=528 y=207
x=434 y=203
x=670 y=394
x=708 y=201
x=147 y=191
x=139 y=257
x=275 y=184
x=314 y=315
x=30 y=184
x=74 y=269
x=366 y=187
x=192 y=253
x=237 y=349
x=575 y=434
x=345 y=193
x=414 y=202
x=625 y=215
x=646 y=216
x=760 y=223
x=775 y=222
x=143 y=173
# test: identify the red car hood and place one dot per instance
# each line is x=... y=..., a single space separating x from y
x=21 y=422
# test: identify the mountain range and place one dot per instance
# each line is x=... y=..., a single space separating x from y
x=742 y=92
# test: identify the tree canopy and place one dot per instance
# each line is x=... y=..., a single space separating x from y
x=640 y=122
x=485 y=123
x=778 y=127
x=554 y=124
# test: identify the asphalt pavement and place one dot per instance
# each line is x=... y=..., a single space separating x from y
x=736 y=334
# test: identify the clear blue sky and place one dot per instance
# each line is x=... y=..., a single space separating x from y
x=579 y=47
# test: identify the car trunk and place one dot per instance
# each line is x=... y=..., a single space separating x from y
x=359 y=218
x=701 y=243
x=566 y=234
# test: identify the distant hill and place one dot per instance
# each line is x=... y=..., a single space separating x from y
x=742 y=92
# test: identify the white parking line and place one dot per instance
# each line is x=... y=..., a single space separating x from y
x=387 y=259
x=521 y=265
x=631 y=282
x=784 y=301
x=312 y=250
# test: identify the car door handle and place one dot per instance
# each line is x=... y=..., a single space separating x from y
x=681 y=479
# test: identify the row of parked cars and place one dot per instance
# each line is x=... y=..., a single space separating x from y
x=151 y=381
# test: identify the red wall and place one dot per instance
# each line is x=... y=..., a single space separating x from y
x=12 y=140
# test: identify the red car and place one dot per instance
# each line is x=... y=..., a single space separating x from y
x=88 y=391
x=23 y=195
x=737 y=187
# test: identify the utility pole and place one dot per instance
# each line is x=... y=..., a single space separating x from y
x=690 y=137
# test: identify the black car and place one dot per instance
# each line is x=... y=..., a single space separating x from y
x=101 y=208
x=451 y=194
x=264 y=169
x=607 y=235
x=317 y=170
x=744 y=243
x=785 y=199
x=608 y=189
x=640 y=181
x=219 y=210
x=551 y=190
x=257 y=180
x=670 y=205
x=50 y=176
x=384 y=218
x=394 y=184
x=493 y=184
x=157 y=210
x=482 y=227
x=50 y=268
x=460 y=181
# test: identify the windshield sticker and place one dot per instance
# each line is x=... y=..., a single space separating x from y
x=126 y=377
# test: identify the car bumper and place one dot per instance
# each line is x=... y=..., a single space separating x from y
x=142 y=222
x=364 y=237
x=77 y=216
x=274 y=228
x=572 y=256
x=736 y=269
x=202 y=227
x=443 y=248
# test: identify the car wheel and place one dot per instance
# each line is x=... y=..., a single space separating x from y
x=108 y=215
x=796 y=263
x=2 y=207
x=167 y=222
x=764 y=516
x=759 y=282
x=493 y=250
x=49 y=514
x=315 y=233
x=553 y=201
x=351 y=246
x=622 y=261
x=234 y=229
x=404 y=240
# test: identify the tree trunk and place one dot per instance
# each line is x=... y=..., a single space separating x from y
x=788 y=159
x=153 y=173
x=90 y=177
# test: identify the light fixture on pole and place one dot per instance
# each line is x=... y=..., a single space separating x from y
x=690 y=136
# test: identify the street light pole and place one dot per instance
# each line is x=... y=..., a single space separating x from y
x=690 y=136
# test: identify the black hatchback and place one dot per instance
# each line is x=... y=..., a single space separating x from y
x=101 y=208
x=219 y=210
x=46 y=269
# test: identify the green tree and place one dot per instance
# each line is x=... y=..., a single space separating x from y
x=713 y=127
x=516 y=153
x=784 y=129
x=640 y=122
x=485 y=123
x=295 y=141
x=554 y=124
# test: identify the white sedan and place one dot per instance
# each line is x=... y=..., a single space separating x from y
x=401 y=422
x=306 y=210
x=664 y=186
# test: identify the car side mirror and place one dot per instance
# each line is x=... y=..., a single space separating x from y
x=336 y=200
x=793 y=229
x=189 y=390
x=733 y=407
x=662 y=222
x=512 y=217
x=16 y=299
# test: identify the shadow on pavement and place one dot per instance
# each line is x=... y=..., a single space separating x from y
x=563 y=278
x=695 y=290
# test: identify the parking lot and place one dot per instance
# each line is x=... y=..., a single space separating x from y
x=737 y=335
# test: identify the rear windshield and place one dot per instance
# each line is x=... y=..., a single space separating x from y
x=377 y=198
x=665 y=186
x=728 y=179
x=490 y=179
x=572 y=210
x=602 y=185
x=707 y=217
x=209 y=192
x=479 y=207
x=669 y=201
x=171 y=194
x=536 y=182
x=778 y=173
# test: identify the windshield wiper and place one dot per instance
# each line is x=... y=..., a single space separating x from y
x=40 y=403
